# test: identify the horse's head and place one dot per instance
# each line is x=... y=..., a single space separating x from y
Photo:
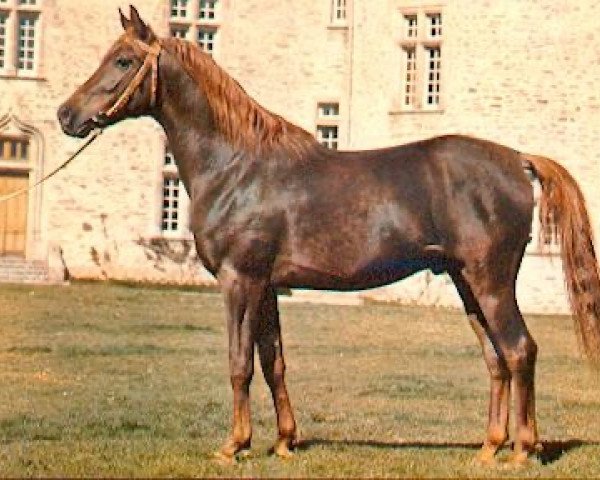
x=124 y=85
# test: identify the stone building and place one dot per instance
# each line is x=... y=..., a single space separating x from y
x=356 y=73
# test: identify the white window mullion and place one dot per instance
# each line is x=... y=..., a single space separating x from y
x=328 y=119
x=27 y=27
x=4 y=40
x=180 y=31
x=174 y=201
x=207 y=38
x=410 y=77
x=207 y=11
x=433 y=76
x=180 y=9
x=20 y=37
x=328 y=136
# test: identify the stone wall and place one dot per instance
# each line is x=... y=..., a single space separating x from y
x=522 y=75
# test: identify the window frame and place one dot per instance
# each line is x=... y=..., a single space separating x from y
x=14 y=11
x=338 y=13
x=328 y=119
x=330 y=142
x=413 y=94
x=169 y=171
x=209 y=30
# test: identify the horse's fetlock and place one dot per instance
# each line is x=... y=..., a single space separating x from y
x=241 y=379
x=496 y=436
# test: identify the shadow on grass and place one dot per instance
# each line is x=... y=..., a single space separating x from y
x=551 y=450
x=314 y=442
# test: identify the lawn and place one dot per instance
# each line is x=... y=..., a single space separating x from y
x=107 y=380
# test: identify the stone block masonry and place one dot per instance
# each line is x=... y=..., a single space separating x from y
x=523 y=74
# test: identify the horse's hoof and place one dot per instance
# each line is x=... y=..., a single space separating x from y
x=224 y=459
x=282 y=450
x=485 y=457
x=231 y=451
x=520 y=460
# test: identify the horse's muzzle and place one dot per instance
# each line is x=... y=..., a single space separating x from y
x=70 y=124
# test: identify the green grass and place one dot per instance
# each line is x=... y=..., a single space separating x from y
x=110 y=380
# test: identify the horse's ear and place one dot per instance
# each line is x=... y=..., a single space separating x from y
x=142 y=31
x=124 y=20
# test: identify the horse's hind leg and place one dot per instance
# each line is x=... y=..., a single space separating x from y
x=497 y=429
x=495 y=294
x=273 y=366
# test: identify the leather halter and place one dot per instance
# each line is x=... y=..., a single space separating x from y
x=150 y=63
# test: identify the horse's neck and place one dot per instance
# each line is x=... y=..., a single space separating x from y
x=185 y=116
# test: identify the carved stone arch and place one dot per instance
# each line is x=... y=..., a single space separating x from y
x=12 y=126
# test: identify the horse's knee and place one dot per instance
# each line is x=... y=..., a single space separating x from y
x=495 y=364
x=522 y=357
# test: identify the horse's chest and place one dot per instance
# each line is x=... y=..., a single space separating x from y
x=247 y=240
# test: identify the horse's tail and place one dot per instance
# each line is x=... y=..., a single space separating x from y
x=563 y=211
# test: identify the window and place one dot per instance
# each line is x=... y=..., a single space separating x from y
x=411 y=26
x=206 y=39
x=411 y=77
x=329 y=110
x=179 y=8
x=338 y=12
x=328 y=117
x=3 y=20
x=26 y=47
x=14 y=149
x=435 y=25
x=175 y=202
x=196 y=20
x=327 y=136
x=421 y=65
x=433 y=76
x=170 y=211
x=207 y=9
x=20 y=37
x=179 y=32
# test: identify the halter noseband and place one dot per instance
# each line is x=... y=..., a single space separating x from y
x=150 y=62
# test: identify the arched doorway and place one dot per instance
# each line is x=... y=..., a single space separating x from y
x=14 y=176
x=21 y=159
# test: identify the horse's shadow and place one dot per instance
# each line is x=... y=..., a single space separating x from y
x=551 y=451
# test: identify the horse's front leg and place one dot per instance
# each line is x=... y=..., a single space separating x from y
x=243 y=297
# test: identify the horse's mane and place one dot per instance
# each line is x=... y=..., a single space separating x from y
x=241 y=120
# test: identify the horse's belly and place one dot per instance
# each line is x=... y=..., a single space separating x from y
x=374 y=274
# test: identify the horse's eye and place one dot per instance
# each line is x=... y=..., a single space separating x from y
x=123 y=63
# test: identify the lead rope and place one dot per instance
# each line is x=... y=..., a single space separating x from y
x=95 y=134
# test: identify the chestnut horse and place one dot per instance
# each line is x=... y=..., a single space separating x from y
x=271 y=207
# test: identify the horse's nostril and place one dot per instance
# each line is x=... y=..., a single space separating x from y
x=65 y=114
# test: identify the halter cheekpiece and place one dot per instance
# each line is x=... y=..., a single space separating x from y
x=150 y=64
